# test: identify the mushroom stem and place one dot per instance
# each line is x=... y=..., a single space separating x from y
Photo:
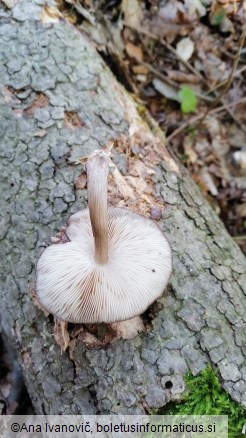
x=97 y=186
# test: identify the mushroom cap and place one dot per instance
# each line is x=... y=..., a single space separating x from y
x=75 y=288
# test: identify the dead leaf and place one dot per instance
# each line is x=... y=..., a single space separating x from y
x=226 y=26
x=159 y=27
x=80 y=182
x=169 y=12
x=140 y=69
x=134 y=52
x=82 y=11
x=194 y=8
x=9 y=96
x=202 y=147
x=132 y=12
x=208 y=181
x=61 y=334
x=166 y=90
x=189 y=150
x=50 y=14
x=181 y=77
x=185 y=48
x=215 y=68
x=72 y=120
x=128 y=329
x=241 y=210
x=115 y=42
x=239 y=157
x=141 y=78
x=215 y=170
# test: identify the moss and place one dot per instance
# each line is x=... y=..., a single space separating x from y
x=204 y=396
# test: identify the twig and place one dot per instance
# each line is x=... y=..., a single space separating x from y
x=230 y=79
x=182 y=127
x=82 y=11
x=167 y=45
x=230 y=55
x=234 y=67
x=200 y=116
x=221 y=84
x=228 y=105
x=239 y=237
x=170 y=82
x=159 y=74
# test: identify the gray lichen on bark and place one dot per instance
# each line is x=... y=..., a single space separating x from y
x=48 y=75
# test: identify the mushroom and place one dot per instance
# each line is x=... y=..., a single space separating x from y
x=115 y=265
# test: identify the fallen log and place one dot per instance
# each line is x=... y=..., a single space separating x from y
x=60 y=102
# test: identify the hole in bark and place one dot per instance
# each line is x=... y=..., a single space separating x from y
x=50 y=318
x=71 y=326
x=3 y=366
x=168 y=384
x=16 y=401
x=151 y=313
x=25 y=406
x=167 y=409
x=117 y=70
x=93 y=394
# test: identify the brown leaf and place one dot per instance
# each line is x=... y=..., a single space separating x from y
x=61 y=334
x=72 y=120
x=9 y=95
x=40 y=101
x=50 y=14
x=169 y=31
x=181 y=77
x=134 y=52
x=208 y=181
x=132 y=12
x=189 y=150
x=128 y=329
x=140 y=69
x=80 y=182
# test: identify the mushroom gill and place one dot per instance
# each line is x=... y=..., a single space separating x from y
x=116 y=263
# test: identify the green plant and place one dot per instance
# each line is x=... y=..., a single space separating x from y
x=204 y=396
x=188 y=100
x=217 y=17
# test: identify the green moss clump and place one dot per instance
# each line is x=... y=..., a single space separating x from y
x=204 y=396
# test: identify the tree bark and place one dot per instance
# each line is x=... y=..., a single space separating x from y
x=60 y=102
